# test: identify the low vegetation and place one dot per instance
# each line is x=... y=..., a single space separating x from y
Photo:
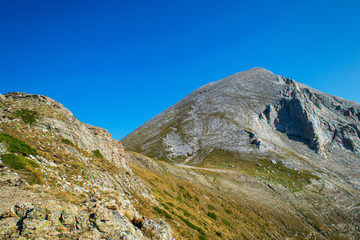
x=29 y=168
x=97 y=153
x=17 y=162
x=67 y=141
x=27 y=115
x=195 y=213
x=17 y=146
x=260 y=167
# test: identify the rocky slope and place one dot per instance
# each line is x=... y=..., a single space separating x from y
x=60 y=178
x=301 y=143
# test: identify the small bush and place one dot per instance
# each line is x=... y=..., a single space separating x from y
x=201 y=237
x=97 y=153
x=212 y=215
x=218 y=234
x=227 y=223
x=67 y=141
x=17 y=146
x=187 y=196
x=228 y=211
x=28 y=116
x=178 y=198
x=186 y=213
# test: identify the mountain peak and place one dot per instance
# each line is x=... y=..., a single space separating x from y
x=254 y=104
x=258 y=70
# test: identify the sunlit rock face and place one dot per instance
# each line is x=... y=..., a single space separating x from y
x=253 y=111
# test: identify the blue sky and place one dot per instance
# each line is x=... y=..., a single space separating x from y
x=116 y=64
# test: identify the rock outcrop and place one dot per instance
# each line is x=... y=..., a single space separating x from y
x=89 y=190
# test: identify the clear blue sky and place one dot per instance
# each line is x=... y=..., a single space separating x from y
x=116 y=64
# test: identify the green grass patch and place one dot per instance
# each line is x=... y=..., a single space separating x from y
x=165 y=206
x=163 y=212
x=260 y=166
x=187 y=196
x=228 y=211
x=18 y=162
x=169 y=194
x=97 y=153
x=27 y=115
x=28 y=168
x=191 y=225
x=67 y=142
x=17 y=146
x=179 y=158
x=186 y=213
x=212 y=215
x=201 y=237
x=227 y=223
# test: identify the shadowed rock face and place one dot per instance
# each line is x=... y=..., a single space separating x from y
x=254 y=111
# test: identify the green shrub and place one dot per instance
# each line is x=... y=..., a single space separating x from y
x=186 y=213
x=187 y=196
x=67 y=141
x=17 y=146
x=228 y=211
x=191 y=225
x=27 y=115
x=178 y=198
x=97 y=153
x=218 y=234
x=169 y=194
x=212 y=215
x=165 y=206
x=201 y=237
x=227 y=223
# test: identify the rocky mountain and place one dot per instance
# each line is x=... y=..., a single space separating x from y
x=267 y=128
x=252 y=156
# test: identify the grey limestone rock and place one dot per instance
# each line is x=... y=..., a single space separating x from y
x=254 y=111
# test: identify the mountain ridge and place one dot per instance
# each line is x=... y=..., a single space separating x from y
x=284 y=94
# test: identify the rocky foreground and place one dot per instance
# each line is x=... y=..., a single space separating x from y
x=61 y=178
